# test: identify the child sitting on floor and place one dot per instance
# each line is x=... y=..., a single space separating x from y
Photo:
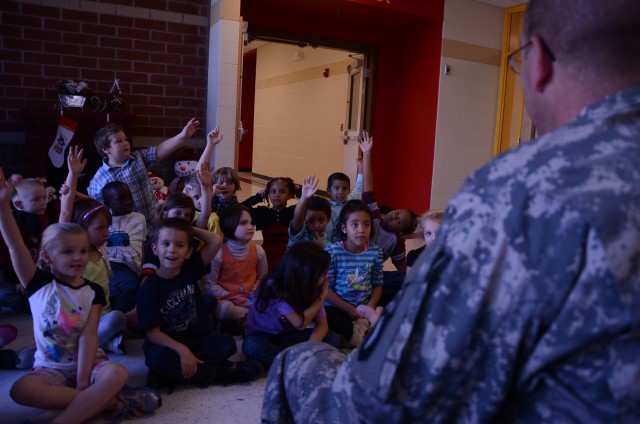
x=310 y=217
x=288 y=300
x=238 y=266
x=179 y=345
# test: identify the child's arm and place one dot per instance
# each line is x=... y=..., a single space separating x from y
x=309 y=188
x=76 y=164
x=356 y=193
x=170 y=145
x=366 y=145
x=188 y=361
x=20 y=258
x=376 y=293
x=87 y=346
x=320 y=330
x=309 y=314
x=213 y=139
x=204 y=176
x=212 y=243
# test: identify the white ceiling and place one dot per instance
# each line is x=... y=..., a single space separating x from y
x=504 y=3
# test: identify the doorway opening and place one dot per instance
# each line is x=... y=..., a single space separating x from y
x=303 y=104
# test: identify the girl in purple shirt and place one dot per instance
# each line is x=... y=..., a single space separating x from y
x=288 y=300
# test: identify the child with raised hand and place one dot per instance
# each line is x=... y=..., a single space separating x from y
x=429 y=225
x=125 y=243
x=273 y=220
x=388 y=229
x=310 y=216
x=95 y=218
x=120 y=164
x=355 y=273
x=199 y=186
x=30 y=204
x=225 y=184
x=70 y=372
x=287 y=301
x=179 y=346
x=338 y=186
x=238 y=266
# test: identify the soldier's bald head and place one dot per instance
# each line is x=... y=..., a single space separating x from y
x=588 y=35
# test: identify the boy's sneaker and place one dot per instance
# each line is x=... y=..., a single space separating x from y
x=134 y=401
x=237 y=372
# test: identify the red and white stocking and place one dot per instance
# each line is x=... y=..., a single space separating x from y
x=66 y=129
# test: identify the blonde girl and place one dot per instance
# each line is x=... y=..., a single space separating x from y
x=429 y=226
x=70 y=372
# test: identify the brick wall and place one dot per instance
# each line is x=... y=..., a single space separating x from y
x=157 y=48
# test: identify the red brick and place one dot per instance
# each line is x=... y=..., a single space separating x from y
x=152 y=4
x=136 y=99
x=149 y=89
x=79 y=16
x=154 y=68
x=194 y=82
x=179 y=70
x=149 y=24
x=98 y=74
x=79 y=39
x=118 y=43
x=180 y=91
x=194 y=61
x=135 y=55
x=42 y=58
x=195 y=103
x=80 y=62
x=132 y=78
x=100 y=52
x=142 y=121
x=38 y=34
x=61 y=48
x=10 y=31
x=37 y=10
x=24 y=92
x=116 y=20
x=6 y=79
x=138 y=34
x=11 y=56
x=149 y=46
x=153 y=110
x=182 y=28
x=9 y=6
x=116 y=65
x=37 y=81
x=22 y=68
x=153 y=131
x=162 y=101
x=103 y=30
x=54 y=24
x=60 y=72
x=164 y=58
x=22 y=20
x=123 y=2
x=194 y=39
x=25 y=45
x=168 y=37
x=164 y=79
x=184 y=8
x=182 y=49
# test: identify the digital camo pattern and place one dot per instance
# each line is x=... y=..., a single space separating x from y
x=527 y=308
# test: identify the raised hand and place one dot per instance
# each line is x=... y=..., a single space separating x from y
x=204 y=174
x=365 y=142
x=6 y=190
x=214 y=137
x=74 y=160
x=309 y=186
x=190 y=129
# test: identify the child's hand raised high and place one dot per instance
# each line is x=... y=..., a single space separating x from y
x=365 y=142
x=214 y=137
x=190 y=129
x=204 y=174
x=309 y=186
x=75 y=162
x=6 y=190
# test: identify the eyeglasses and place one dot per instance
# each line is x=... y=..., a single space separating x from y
x=515 y=58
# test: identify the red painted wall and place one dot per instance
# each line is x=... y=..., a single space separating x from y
x=409 y=50
x=162 y=66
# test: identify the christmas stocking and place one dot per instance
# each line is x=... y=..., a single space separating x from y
x=66 y=129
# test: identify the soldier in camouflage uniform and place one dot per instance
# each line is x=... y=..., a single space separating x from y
x=527 y=308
